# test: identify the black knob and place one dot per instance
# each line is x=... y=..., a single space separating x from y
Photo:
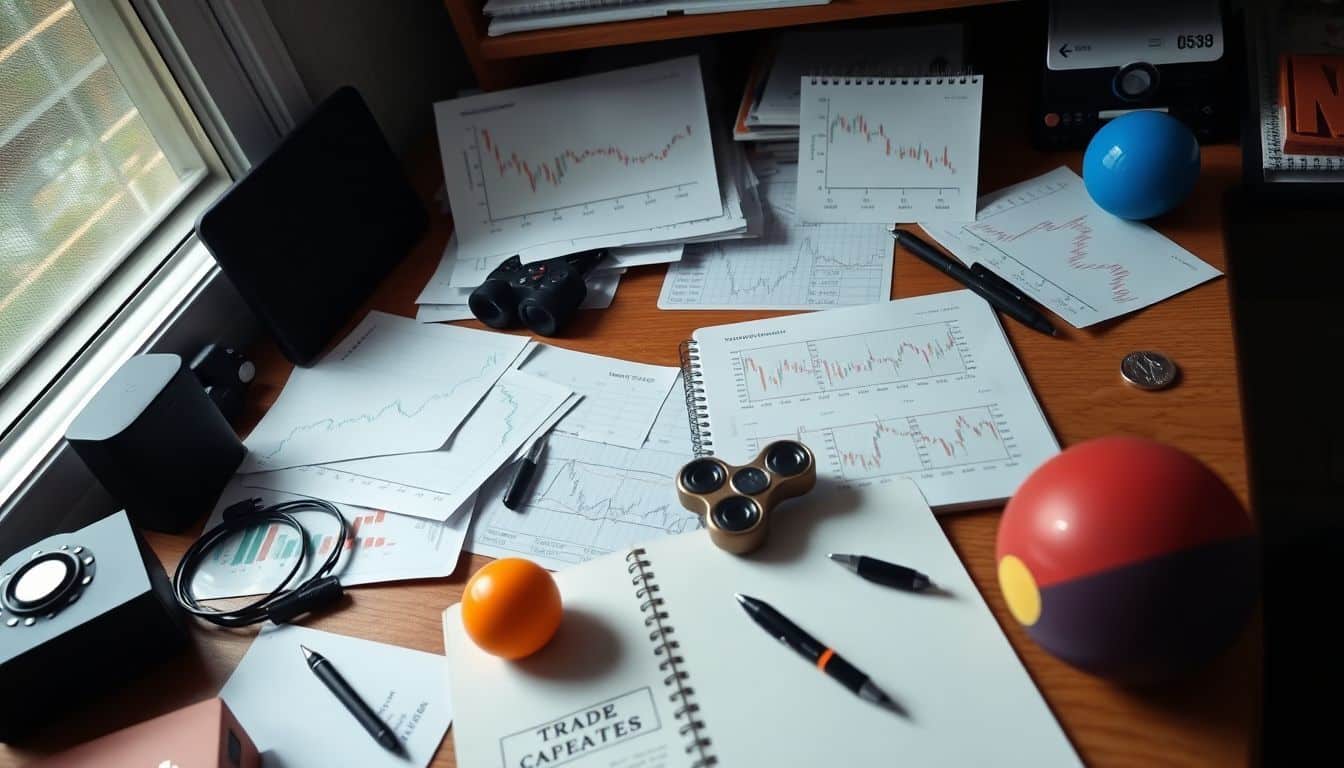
x=736 y=513
x=787 y=458
x=703 y=476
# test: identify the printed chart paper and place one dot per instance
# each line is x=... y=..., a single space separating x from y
x=597 y=155
x=620 y=398
x=392 y=386
x=791 y=266
x=588 y=498
x=1049 y=239
x=433 y=484
x=381 y=546
x=889 y=150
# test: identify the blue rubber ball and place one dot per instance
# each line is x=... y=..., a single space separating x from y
x=1141 y=165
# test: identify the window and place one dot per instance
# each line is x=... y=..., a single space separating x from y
x=87 y=167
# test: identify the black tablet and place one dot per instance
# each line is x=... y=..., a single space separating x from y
x=309 y=232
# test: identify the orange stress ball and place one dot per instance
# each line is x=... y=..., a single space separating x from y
x=511 y=608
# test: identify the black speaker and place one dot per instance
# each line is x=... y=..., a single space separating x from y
x=80 y=612
x=157 y=443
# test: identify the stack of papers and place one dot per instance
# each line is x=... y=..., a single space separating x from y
x=623 y=160
x=403 y=425
x=522 y=15
x=771 y=101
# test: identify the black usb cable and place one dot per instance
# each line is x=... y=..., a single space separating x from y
x=282 y=604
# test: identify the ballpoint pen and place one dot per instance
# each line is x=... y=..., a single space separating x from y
x=1009 y=302
x=884 y=573
x=522 y=475
x=379 y=730
x=826 y=659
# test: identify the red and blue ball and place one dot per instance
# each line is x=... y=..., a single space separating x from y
x=1128 y=559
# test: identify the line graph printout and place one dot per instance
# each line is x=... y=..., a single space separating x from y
x=587 y=499
x=381 y=547
x=392 y=386
x=621 y=398
x=925 y=387
x=1049 y=239
x=889 y=150
x=791 y=266
x=433 y=484
x=739 y=215
x=595 y=155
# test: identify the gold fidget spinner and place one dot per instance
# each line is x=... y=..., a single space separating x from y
x=735 y=502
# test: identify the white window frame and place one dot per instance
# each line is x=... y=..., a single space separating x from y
x=235 y=88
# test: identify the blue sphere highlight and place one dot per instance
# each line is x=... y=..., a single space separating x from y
x=1141 y=165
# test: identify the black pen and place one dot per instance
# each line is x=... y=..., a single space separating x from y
x=347 y=696
x=884 y=573
x=1007 y=302
x=826 y=659
x=522 y=475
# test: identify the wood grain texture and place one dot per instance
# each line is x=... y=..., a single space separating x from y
x=495 y=49
x=1208 y=719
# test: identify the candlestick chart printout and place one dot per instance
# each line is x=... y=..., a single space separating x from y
x=1049 y=239
x=889 y=150
x=604 y=154
x=925 y=387
x=791 y=266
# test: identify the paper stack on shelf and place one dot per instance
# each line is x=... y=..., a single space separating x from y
x=771 y=99
x=523 y=15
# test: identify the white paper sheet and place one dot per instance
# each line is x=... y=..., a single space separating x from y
x=382 y=546
x=433 y=484
x=791 y=266
x=392 y=386
x=297 y=722
x=590 y=156
x=889 y=150
x=1048 y=238
x=620 y=398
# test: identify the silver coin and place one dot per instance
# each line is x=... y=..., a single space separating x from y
x=1148 y=370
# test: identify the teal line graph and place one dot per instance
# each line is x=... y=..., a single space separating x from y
x=332 y=424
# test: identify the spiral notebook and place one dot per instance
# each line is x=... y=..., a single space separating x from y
x=656 y=665
x=926 y=388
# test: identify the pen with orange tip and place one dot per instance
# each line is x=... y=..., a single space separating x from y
x=826 y=659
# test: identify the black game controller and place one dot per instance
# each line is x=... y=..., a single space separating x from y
x=544 y=295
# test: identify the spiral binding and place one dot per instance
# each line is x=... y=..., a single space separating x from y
x=697 y=409
x=965 y=78
x=669 y=660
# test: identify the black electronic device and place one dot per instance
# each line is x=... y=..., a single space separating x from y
x=309 y=232
x=1104 y=59
x=225 y=373
x=157 y=443
x=80 y=612
x=543 y=295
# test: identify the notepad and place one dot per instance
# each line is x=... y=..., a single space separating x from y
x=655 y=664
x=926 y=388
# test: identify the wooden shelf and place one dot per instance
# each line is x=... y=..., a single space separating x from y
x=669 y=27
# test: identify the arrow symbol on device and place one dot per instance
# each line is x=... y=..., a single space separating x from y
x=1064 y=50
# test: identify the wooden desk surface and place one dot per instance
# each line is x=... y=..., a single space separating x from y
x=1209 y=719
